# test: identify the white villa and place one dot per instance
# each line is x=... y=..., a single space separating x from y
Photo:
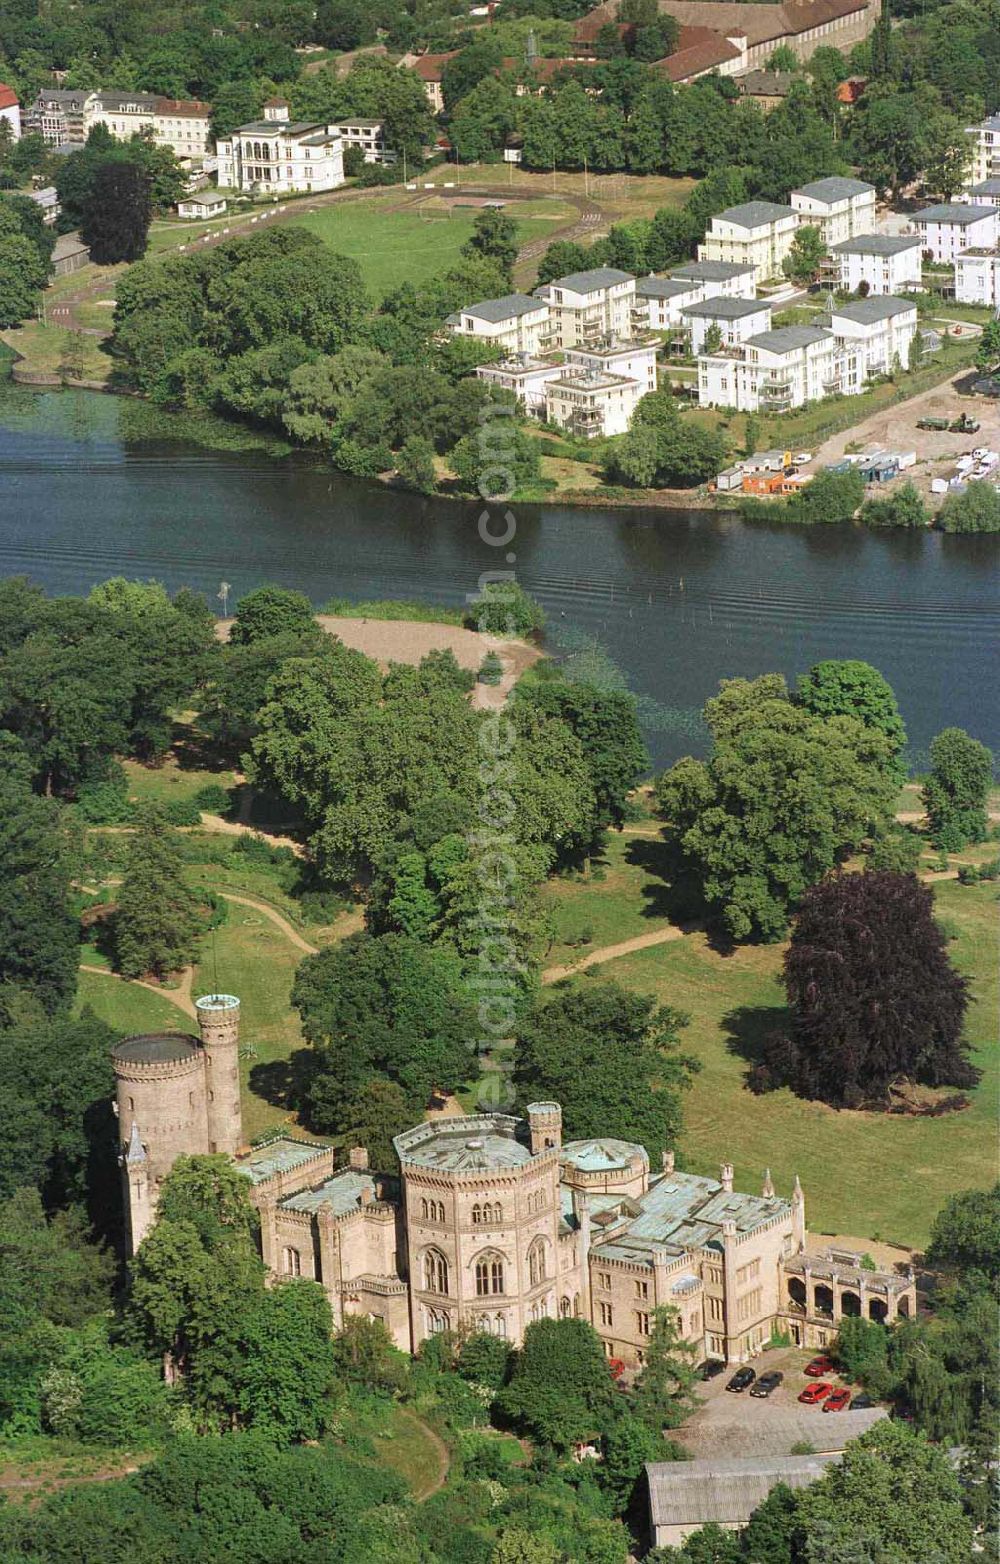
x=878 y=329
x=585 y=306
x=596 y=388
x=839 y=208
x=737 y=319
x=887 y=263
x=977 y=277
x=985 y=149
x=757 y=234
x=278 y=156
x=775 y=371
x=953 y=226
x=516 y=322
x=660 y=301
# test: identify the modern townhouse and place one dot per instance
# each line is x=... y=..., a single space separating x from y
x=757 y=234
x=777 y=370
x=733 y=279
x=737 y=319
x=977 y=278
x=985 y=138
x=278 y=156
x=879 y=330
x=585 y=306
x=985 y=193
x=369 y=135
x=888 y=263
x=598 y=387
x=953 y=226
x=839 y=208
x=660 y=300
x=591 y=402
x=515 y=323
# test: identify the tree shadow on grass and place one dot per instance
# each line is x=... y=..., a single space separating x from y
x=284 y=1083
x=673 y=892
x=756 y=1033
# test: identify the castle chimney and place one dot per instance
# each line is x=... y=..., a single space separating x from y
x=365 y=1195
x=668 y=1162
x=768 y=1188
x=726 y=1177
x=357 y=1157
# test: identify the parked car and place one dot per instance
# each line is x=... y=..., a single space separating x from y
x=801 y=458
x=711 y=1367
x=814 y=1393
x=862 y=1402
x=741 y=1379
x=767 y=1383
x=837 y=1400
x=819 y=1366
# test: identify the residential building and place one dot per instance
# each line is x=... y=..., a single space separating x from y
x=659 y=301
x=369 y=135
x=757 y=28
x=48 y=200
x=777 y=370
x=62 y=117
x=277 y=156
x=529 y=377
x=737 y=319
x=879 y=329
x=515 y=323
x=953 y=226
x=591 y=402
x=766 y=88
x=757 y=234
x=635 y=359
x=686 y=1495
x=839 y=208
x=985 y=162
x=123 y=114
x=69 y=255
x=10 y=110
x=585 y=306
x=429 y=68
x=202 y=204
x=986 y=193
x=494 y=1221
x=185 y=125
x=733 y=278
x=701 y=51
x=526 y=376
x=888 y=263
x=977 y=278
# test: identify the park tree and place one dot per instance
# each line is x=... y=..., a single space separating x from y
x=238 y=688
x=713 y=338
x=845 y=687
x=988 y=347
x=607 y=725
x=389 y=1008
x=956 y=791
x=157 y=921
x=560 y=1389
x=904 y=507
x=415 y=465
x=874 y=998
x=268 y=611
x=663 y=1393
x=288 y=1377
x=783 y=797
x=803 y=259
x=612 y=1059
x=39 y=948
x=117 y=214
x=562 y=257
x=505 y=609
x=965 y=1235
x=494 y=235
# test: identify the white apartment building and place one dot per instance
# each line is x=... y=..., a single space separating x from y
x=757 y=234
x=10 y=110
x=660 y=300
x=515 y=323
x=888 y=263
x=839 y=208
x=369 y=135
x=584 y=306
x=977 y=278
x=529 y=378
x=122 y=114
x=985 y=193
x=985 y=149
x=65 y=118
x=878 y=330
x=737 y=320
x=953 y=226
x=590 y=402
x=526 y=376
x=185 y=124
x=635 y=359
x=731 y=279
x=778 y=370
x=278 y=156
x=62 y=117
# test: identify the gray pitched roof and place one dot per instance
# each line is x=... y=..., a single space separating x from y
x=878 y=307
x=495 y=310
x=954 y=212
x=989 y=188
x=834 y=189
x=783 y=339
x=661 y=287
x=723 y=308
x=710 y=271
x=691 y=1493
x=755 y=214
x=877 y=244
x=775 y=1434
x=590 y=281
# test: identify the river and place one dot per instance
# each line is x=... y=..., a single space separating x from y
x=95 y=486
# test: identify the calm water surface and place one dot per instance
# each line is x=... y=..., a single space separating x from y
x=92 y=486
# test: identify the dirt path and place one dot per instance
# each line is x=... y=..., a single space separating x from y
x=275 y=917
x=440 y=1448
x=180 y=996
x=611 y=952
x=44 y=1485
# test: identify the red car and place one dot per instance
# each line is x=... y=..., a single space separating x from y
x=814 y=1393
x=837 y=1400
x=818 y=1367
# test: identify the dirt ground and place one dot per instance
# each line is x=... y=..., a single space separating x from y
x=895 y=429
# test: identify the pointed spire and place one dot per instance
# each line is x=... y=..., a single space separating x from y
x=136 y=1150
x=768 y=1189
x=797 y=1194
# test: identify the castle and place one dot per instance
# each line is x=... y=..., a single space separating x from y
x=494 y=1221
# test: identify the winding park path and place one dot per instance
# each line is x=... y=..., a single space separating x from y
x=612 y=952
x=440 y=1450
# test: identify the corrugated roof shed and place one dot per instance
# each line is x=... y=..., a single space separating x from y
x=691 y=1493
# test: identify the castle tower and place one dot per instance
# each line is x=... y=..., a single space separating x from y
x=219 y=1020
x=160 y=1079
x=798 y=1214
x=545 y=1125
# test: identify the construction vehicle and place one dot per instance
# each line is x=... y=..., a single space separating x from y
x=932 y=423
x=965 y=425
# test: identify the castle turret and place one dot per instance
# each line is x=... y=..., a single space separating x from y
x=767 y=1189
x=545 y=1125
x=161 y=1113
x=219 y=1020
x=726 y=1177
x=798 y=1214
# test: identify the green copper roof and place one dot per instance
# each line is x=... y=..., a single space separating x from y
x=278 y=1156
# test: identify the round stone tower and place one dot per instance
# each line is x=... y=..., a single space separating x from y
x=161 y=1114
x=219 y=1020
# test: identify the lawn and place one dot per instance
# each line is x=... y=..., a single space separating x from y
x=127 y=1007
x=869 y=1175
x=403 y=1445
x=171 y=782
x=621 y=898
x=394 y=247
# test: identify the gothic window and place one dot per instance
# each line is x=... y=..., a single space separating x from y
x=536 y=1262
x=439 y=1211
x=435 y=1271
x=437 y=1321
x=292 y=1262
x=489 y=1275
x=423 y=1208
x=565 y=1308
x=498 y=1213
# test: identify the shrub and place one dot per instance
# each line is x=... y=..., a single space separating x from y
x=104 y=803
x=181 y=811
x=490 y=669
x=213 y=798
x=968 y=874
x=503 y=608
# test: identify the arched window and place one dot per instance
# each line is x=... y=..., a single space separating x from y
x=292 y=1262
x=437 y=1321
x=565 y=1308
x=536 y=1262
x=477 y=1215
x=439 y=1213
x=498 y=1212
x=489 y=1275
x=423 y=1208
x=435 y=1271
x=501 y=1329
